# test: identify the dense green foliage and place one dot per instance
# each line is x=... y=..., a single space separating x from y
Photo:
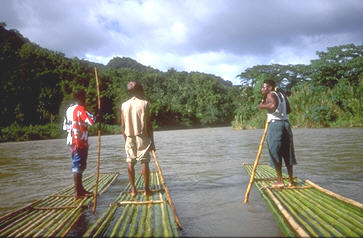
x=326 y=93
x=37 y=86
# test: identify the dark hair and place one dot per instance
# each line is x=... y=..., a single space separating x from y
x=80 y=96
x=270 y=82
x=135 y=88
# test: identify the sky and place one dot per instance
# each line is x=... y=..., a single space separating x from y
x=220 y=37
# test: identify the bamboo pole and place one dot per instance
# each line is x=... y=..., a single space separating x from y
x=108 y=184
x=124 y=225
x=119 y=223
x=134 y=222
x=98 y=146
x=157 y=210
x=140 y=202
x=14 y=224
x=300 y=231
x=347 y=200
x=20 y=210
x=50 y=221
x=166 y=191
x=256 y=163
x=315 y=222
x=61 y=223
x=166 y=231
x=36 y=217
x=148 y=221
x=332 y=216
x=351 y=211
x=57 y=208
x=96 y=228
x=299 y=214
x=65 y=232
x=21 y=232
x=323 y=220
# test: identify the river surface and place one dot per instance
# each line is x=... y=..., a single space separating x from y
x=202 y=169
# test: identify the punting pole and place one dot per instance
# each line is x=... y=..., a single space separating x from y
x=98 y=146
x=167 y=191
x=255 y=164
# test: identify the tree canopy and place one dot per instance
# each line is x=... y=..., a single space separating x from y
x=37 y=86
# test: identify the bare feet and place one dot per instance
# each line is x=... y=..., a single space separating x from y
x=277 y=185
x=291 y=184
x=80 y=196
x=147 y=192
x=133 y=192
x=86 y=193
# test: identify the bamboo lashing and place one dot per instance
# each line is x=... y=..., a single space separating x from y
x=270 y=179
x=256 y=162
x=291 y=187
x=98 y=145
x=140 y=202
x=166 y=190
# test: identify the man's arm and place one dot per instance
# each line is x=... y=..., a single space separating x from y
x=86 y=117
x=123 y=125
x=270 y=103
x=149 y=126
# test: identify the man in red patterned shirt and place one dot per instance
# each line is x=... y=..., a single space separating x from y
x=81 y=119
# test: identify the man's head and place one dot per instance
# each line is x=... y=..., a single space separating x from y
x=80 y=97
x=268 y=86
x=135 y=89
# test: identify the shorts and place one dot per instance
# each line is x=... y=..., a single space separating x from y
x=79 y=160
x=280 y=143
x=138 y=149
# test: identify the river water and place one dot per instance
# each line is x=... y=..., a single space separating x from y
x=202 y=169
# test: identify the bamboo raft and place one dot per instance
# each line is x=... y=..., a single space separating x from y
x=54 y=215
x=307 y=209
x=150 y=216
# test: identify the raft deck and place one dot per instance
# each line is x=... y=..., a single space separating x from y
x=150 y=216
x=307 y=209
x=54 y=215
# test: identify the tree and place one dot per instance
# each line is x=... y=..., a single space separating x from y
x=339 y=62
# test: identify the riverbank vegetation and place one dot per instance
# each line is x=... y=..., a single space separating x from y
x=37 y=86
x=326 y=93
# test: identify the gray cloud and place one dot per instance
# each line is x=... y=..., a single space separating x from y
x=222 y=37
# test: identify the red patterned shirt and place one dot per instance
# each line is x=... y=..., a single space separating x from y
x=81 y=120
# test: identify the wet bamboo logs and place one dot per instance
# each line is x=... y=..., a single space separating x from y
x=128 y=216
x=308 y=207
x=54 y=215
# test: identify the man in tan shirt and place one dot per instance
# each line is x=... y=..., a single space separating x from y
x=138 y=133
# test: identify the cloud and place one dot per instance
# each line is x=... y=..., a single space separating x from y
x=221 y=37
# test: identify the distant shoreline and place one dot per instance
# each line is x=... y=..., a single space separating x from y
x=54 y=131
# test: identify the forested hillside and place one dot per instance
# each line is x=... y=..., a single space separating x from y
x=37 y=86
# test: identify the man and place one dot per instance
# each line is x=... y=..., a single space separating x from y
x=138 y=134
x=76 y=123
x=279 y=134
